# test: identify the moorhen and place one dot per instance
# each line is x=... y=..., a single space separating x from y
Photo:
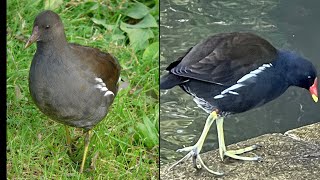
x=231 y=73
x=72 y=84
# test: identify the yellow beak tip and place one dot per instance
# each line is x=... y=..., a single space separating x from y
x=315 y=98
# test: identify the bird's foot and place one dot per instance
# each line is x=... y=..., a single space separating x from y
x=234 y=154
x=194 y=153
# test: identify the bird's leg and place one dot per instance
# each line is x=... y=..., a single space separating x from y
x=232 y=153
x=68 y=139
x=86 y=146
x=195 y=149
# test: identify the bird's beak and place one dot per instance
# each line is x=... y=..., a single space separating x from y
x=314 y=90
x=34 y=37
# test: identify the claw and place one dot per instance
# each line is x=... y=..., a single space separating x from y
x=257 y=146
x=259 y=158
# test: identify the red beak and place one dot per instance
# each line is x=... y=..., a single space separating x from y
x=314 y=90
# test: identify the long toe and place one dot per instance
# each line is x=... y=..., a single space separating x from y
x=209 y=170
x=244 y=150
x=244 y=158
x=184 y=159
x=194 y=153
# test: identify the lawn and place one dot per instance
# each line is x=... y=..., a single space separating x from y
x=125 y=144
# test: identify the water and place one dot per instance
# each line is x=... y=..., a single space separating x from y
x=287 y=24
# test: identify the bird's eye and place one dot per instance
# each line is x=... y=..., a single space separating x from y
x=309 y=77
x=47 y=26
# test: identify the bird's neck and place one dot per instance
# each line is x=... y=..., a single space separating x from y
x=289 y=63
x=54 y=44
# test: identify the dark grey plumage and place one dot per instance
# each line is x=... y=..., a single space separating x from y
x=230 y=73
x=215 y=66
x=72 y=84
x=62 y=79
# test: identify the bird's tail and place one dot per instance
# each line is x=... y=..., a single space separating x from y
x=170 y=80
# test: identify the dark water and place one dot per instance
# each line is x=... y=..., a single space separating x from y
x=288 y=24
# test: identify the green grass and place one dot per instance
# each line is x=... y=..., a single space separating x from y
x=125 y=143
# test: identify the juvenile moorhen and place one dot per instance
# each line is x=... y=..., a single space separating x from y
x=231 y=73
x=72 y=84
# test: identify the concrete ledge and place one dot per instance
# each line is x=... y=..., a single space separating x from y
x=294 y=155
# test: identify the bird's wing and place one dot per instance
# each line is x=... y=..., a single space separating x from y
x=106 y=66
x=224 y=58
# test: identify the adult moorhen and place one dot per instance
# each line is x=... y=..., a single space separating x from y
x=231 y=73
x=72 y=84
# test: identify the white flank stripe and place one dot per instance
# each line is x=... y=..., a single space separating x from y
x=98 y=86
x=246 y=77
x=257 y=71
x=254 y=72
x=240 y=83
x=186 y=81
x=109 y=93
x=99 y=80
x=104 y=89
x=218 y=96
x=234 y=87
x=232 y=92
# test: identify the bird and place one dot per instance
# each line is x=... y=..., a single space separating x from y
x=71 y=84
x=230 y=73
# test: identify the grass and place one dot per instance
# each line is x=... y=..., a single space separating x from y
x=123 y=144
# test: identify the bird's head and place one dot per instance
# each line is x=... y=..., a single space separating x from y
x=302 y=73
x=47 y=27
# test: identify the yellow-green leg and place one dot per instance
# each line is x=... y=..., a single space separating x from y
x=86 y=146
x=194 y=151
x=232 y=153
x=68 y=139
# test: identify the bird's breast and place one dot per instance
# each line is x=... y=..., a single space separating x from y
x=66 y=93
